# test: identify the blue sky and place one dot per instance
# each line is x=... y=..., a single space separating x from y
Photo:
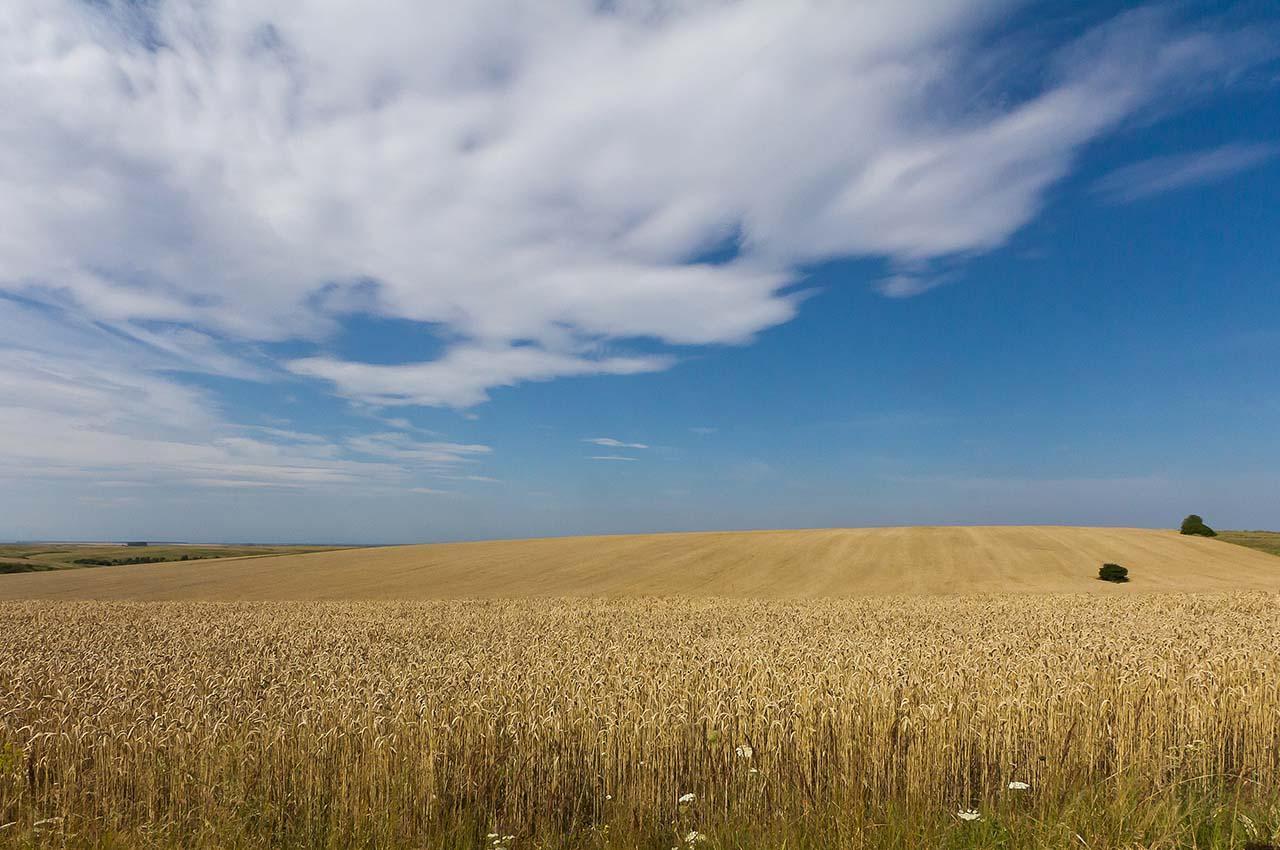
x=300 y=272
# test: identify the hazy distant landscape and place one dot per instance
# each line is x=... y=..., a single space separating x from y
x=1263 y=541
x=41 y=557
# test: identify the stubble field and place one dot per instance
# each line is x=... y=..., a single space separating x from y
x=1147 y=720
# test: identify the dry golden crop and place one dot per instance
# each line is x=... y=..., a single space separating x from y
x=814 y=563
x=584 y=722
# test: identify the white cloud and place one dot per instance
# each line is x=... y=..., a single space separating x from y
x=65 y=434
x=611 y=457
x=462 y=376
x=404 y=448
x=1162 y=174
x=906 y=285
x=240 y=484
x=704 y=431
x=611 y=443
x=539 y=184
x=84 y=403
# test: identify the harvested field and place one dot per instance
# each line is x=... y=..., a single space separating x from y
x=765 y=564
x=1150 y=721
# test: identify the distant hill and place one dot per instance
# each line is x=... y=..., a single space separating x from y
x=39 y=556
x=831 y=562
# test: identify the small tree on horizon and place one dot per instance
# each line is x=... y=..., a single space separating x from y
x=1193 y=524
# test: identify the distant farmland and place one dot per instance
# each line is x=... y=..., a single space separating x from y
x=767 y=564
x=41 y=557
x=1263 y=541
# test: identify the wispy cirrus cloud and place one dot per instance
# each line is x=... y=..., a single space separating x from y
x=611 y=443
x=611 y=457
x=907 y=285
x=464 y=376
x=401 y=447
x=1162 y=174
x=84 y=403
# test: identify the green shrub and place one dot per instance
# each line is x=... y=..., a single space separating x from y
x=1113 y=572
x=1193 y=524
x=23 y=567
x=116 y=562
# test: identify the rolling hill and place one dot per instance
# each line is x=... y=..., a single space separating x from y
x=767 y=564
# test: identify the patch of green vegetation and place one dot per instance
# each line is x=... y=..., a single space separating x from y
x=23 y=567
x=1263 y=541
x=140 y=559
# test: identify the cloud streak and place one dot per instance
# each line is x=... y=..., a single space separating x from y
x=82 y=403
x=611 y=443
x=463 y=377
x=1162 y=174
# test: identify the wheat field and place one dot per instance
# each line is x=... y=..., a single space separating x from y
x=763 y=564
x=980 y=721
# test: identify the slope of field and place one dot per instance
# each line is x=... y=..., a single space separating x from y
x=808 y=563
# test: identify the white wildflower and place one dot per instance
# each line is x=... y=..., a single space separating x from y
x=694 y=837
x=492 y=835
x=1018 y=786
x=608 y=796
x=969 y=814
x=753 y=770
x=744 y=751
x=686 y=799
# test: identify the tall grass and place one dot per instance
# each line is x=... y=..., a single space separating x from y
x=1144 y=721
